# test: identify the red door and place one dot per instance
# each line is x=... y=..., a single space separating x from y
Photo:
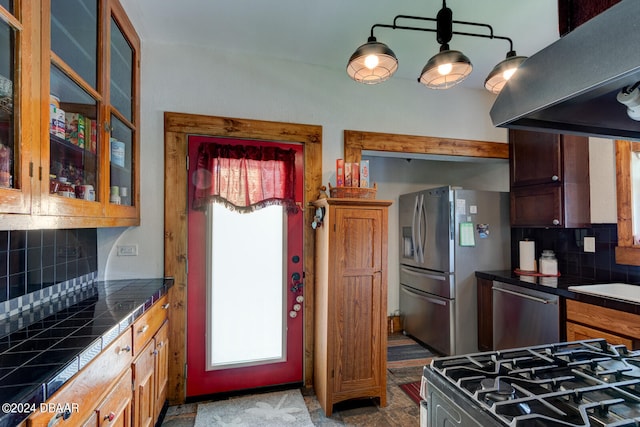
x=201 y=380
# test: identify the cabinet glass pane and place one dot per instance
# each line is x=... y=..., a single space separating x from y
x=7 y=124
x=7 y=4
x=121 y=72
x=74 y=36
x=121 y=162
x=74 y=139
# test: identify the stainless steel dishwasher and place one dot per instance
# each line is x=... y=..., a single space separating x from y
x=524 y=317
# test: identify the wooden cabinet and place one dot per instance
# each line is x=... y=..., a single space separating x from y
x=115 y=409
x=124 y=385
x=485 y=314
x=78 y=64
x=144 y=382
x=587 y=321
x=91 y=385
x=350 y=354
x=549 y=177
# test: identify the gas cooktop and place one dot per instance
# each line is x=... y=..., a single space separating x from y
x=581 y=383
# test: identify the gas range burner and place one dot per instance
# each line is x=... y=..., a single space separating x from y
x=581 y=383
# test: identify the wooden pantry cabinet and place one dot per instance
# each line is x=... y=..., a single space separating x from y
x=69 y=115
x=350 y=343
x=549 y=177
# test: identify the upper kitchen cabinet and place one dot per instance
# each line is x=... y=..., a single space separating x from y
x=549 y=179
x=92 y=134
x=71 y=135
x=19 y=21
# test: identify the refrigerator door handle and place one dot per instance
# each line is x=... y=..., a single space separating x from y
x=420 y=239
x=414 y=242
x=426 y=228
x=422 y=274
x=431 y=300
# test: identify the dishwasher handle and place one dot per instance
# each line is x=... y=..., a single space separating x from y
x=529 y=297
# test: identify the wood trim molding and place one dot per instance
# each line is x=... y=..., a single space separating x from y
x=177 y=127
x=626 y=252
x=356 y=141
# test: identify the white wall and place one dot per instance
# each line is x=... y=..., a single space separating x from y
x=213 y=82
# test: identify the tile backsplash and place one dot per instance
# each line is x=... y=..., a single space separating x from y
x=572 y=260
x=38 y=264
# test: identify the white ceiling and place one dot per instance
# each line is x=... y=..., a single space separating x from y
x=326 y=32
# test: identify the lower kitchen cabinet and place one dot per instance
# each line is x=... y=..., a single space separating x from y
x=125 y=385
x=144 y=381
x=588 y=321
x=115 y=409
x=485 y=314
x=350 y=351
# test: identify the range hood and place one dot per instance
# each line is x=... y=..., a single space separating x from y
x=571 y=85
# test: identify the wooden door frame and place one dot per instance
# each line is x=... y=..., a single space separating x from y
x=177 y=127
x=356 y=141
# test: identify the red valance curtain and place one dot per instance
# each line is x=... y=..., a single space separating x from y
x=244 y=177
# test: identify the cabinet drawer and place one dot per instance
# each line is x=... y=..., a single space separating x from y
x=605 y=319
x=115 y=409
x=90 y=385
x=145 y=327
x=577 y=332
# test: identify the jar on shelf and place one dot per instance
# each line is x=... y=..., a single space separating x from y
x=114 y=198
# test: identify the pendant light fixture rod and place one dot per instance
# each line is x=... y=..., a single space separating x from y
x=394 y=26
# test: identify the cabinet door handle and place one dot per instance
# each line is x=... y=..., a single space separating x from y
x=160 y=344
x=154 y=352
x=556 y=222
x=56 y=418
x=166 y=306
x=555 y=178
x=143 y=329
x=126 y=349
x=110 y=417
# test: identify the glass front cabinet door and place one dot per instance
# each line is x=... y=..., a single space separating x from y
x=18 y=38
x=93 y=111
x=69 y=113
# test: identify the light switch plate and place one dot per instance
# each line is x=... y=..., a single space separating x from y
x=589 y=244
x=127 y=250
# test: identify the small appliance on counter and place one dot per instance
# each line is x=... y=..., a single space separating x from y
x=446 y=235
x=579 y=383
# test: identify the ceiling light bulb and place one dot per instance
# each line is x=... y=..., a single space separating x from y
x=445 y=69
x=371 y=61
x=508 y=73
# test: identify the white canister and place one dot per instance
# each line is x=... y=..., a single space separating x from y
x=548 y=263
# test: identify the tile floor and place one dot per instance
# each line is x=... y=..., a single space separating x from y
x=400 y=411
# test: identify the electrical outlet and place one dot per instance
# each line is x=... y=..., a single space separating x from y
x=127 y=250
x=589 y=244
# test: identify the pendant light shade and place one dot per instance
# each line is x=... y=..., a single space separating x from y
x=372 y=63
x=445 y=69
x=502 y=72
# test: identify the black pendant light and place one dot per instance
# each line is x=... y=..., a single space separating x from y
x=372 y=63
x=448 y=67
x=375 y=62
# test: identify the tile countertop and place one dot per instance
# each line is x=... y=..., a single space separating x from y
x=38 y=358
x=560 y=286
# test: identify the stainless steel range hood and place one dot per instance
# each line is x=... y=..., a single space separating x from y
x=571 y=85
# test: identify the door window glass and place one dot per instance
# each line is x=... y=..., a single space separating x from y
x=7 y=117
x=246 y=295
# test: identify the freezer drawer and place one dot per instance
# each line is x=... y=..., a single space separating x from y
x=430 y=282
x=428 y=318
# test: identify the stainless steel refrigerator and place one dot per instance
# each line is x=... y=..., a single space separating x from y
x=446 y=235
